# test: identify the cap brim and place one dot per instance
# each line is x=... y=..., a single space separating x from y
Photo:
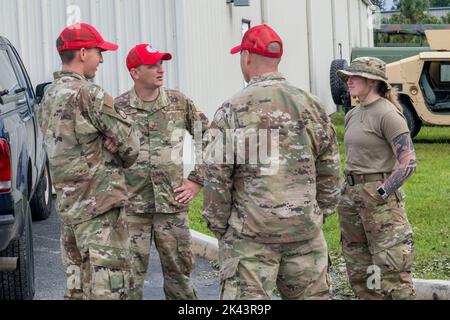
x=236 y=49
x=108 y=46
x=155 y=58
x=344 y=75
x=166 y=56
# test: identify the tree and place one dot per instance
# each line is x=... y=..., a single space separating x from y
x=446 y=19
x=397 y=4
x=432 y=4
x=414 y=11
x=397 y=19
x=439 y=3
x=380 y=3
x=430 y=19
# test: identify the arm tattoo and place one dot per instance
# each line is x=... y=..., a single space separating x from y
x=402 y=144
x=404 y=151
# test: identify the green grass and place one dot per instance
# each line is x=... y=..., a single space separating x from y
x=196 y=220
x=427 y=203
x=433 y=134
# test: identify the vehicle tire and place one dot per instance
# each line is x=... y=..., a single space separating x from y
x=338 y=87
x=19 y=284
x=414 y=123
x=42 y=201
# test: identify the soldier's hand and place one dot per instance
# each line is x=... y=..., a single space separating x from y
x=109 y=144
x=188 y=190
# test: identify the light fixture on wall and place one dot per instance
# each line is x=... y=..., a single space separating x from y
x=239 y=3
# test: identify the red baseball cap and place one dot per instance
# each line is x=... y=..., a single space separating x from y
x=83 y=35
x=145 y=54
x=258 y=39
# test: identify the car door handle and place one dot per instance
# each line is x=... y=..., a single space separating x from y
x=21 y=102
x=25 y=115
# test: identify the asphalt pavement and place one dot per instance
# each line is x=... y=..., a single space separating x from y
x=50 y=278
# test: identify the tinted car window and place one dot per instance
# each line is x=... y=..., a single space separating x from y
x=22 y=74
x=8 y=79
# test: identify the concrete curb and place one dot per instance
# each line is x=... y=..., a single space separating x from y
x=208 y=248
x=432 y=289
x=205 y=246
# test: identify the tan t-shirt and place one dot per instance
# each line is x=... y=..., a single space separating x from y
x=369 y=131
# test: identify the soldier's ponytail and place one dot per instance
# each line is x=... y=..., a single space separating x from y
x=390 y=94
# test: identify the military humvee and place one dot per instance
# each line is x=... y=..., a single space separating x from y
x=423 y=83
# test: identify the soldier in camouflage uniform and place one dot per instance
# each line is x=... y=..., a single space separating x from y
x=76 y=118
x=158 y=195
x=376 y=235
x=268 y=215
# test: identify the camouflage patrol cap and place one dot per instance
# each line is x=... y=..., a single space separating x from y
x=366 y=67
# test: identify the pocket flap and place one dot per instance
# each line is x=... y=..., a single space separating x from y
x=111 y=258
x=371 y=189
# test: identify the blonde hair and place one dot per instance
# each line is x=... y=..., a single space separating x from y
x=390 y=94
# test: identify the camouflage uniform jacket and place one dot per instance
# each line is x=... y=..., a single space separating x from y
x=75 y=116
x=259 y=203
x=159 y=169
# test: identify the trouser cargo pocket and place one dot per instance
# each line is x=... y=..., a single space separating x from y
x=111 y=274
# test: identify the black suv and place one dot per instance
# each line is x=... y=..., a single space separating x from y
x=25 y=184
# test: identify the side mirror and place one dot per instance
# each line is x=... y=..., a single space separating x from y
x=40 y=91
x=3 y=93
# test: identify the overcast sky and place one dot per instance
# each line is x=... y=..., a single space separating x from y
x=388 y=4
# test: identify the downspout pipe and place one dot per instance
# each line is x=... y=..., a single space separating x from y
x=264 y=12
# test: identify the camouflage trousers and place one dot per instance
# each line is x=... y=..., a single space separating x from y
x=173 y=243
x=96 y=258
x=376 y=242
x=251 y=270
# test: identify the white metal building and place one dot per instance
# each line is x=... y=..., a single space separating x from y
x=199 y=33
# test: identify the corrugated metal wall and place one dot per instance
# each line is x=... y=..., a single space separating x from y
x=322 y=49
x=199 y=33
x=312 y=31
x=206 y=31
x=295 y=64
x=33 y=26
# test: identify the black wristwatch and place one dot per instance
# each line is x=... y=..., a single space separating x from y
x=382 y=192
